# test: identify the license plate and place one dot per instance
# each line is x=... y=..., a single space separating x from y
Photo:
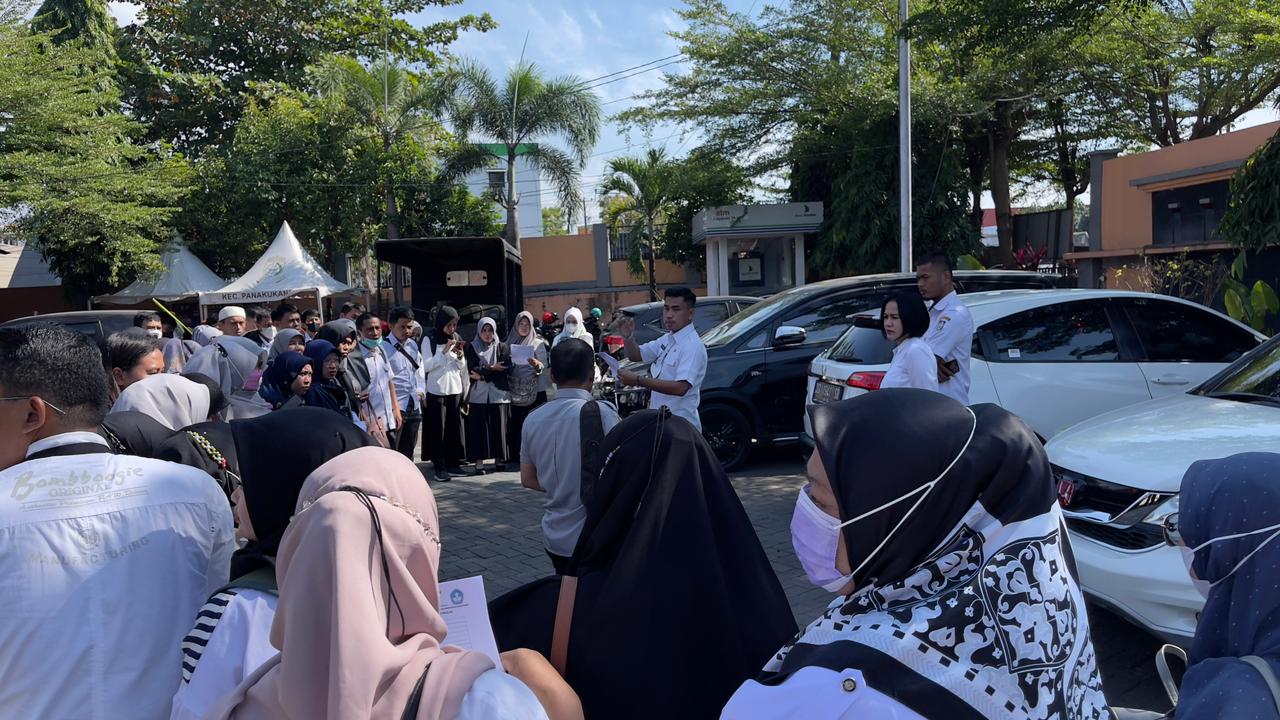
x=825 y=392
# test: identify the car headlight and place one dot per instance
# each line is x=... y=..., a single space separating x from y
x=1162 y=511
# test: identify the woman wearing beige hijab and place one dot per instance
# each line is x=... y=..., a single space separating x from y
x=358 y=624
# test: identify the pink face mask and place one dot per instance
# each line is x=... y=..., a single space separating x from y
x=254 y=381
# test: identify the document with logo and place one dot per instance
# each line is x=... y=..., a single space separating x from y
x=466 y=612
x=611 y=361
x=521 y=354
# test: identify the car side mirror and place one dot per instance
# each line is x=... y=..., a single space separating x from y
x=787 y=335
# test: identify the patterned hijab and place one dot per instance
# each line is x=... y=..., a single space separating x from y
x=965 y=604
x=359 y=616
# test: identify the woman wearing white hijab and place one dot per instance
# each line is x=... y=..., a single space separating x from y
x=285 y=340
x=573 y=328
x=488 y=362
x=529 y=381
x=236 y=363
x=171 y=400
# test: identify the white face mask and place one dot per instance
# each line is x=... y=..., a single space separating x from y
x=923 y=491
x=268 y=332
x=155 y=334
x=571 y=328
x=1189 y=556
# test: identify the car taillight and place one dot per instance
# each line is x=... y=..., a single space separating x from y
x=865 y=380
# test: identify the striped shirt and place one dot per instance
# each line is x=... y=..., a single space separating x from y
x=194 y=643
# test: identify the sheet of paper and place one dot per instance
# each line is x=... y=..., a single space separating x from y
x=466 y=612
x=611 y=361
x=521 y=354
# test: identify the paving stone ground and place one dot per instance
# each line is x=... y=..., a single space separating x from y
x=490 y=528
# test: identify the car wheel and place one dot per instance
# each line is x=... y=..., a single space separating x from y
x=728 y=433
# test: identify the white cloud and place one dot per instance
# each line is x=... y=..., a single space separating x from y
x=125 y=13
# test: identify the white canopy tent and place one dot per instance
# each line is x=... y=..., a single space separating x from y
x=284 y=270
x=184 y=275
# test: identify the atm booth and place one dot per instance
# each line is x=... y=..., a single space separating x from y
x=756 y=249
x=477 y=276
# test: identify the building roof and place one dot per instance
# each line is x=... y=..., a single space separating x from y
x=22 y=267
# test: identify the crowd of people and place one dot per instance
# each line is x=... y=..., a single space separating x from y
x=238 y=530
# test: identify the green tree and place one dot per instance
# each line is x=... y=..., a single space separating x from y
x=646 y=189
x=1178 y=71
x=397 y=108
x=1252 y=223
x=86 y=21
x=703 y=179
x=444 y=208
x=96 y=203
x=521 y=115
x=189 y=66
x=553 y=222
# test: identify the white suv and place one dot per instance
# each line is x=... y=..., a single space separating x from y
x=1056 y=357
x=1119 y=474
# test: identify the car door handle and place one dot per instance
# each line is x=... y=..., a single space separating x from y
x=756 y=373
x=1171 y=380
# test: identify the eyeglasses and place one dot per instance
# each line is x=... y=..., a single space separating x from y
x=1172 y=537
x=28 y=397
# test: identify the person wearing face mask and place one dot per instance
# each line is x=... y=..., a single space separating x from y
x=236 y=364
x=265 y=331
x=150 y=323
x=106 y=557
x=489 y=397
x=1228 y=529
x=668 y=567
x=381 y=409
x=955 y=593
x=905 y=321
x=574 y=327
x=311 y=323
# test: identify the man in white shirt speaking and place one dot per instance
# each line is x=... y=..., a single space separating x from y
x=678 y=360
x=106 y=558
x=950 y=325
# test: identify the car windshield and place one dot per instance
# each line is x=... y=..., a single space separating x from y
x=863 y=343
x=755 y=316
x=1254 y=378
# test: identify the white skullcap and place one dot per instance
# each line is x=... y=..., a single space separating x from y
x=230 y=311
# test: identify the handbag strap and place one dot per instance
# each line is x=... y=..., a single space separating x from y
x=415 y=699
x=564 y=621
x=1268 y=675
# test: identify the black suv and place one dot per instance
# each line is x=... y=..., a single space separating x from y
x=754 y=390
x=707 y=313
x=97 y=324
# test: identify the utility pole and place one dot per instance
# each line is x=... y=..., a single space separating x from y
x=904 y=139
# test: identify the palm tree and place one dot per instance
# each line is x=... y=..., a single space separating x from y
x=645 y=188
x=396 y=105
x=518 y=115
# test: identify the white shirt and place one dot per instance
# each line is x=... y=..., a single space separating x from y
x=951 y=337
x=379 y=384
x=105 y=559
x=815 y=692
x=238 y=645
x=913 y=366
x=678 y=356
x=495 y=695
x=551 y=441
x=410 y=381
x=446 y=373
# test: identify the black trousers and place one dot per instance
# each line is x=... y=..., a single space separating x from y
x=487 y=432
x=516 y=425
x=407 y=432
x=442 y=439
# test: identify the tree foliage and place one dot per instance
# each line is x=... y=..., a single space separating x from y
x=85 y=21
x=523 y=114
x=1252 y=219
x=645 y=187
x=189 y=67
x=96 y=202
x=553 y=222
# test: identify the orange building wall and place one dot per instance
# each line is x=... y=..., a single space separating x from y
x=557 y=259
x=1126 y=210
x=664 y=273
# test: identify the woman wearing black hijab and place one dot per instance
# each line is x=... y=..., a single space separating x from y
x=275 y=453
x=207 y=446
x=676 y=604
x=938 y=528
x=445 y=369
x=130 y=432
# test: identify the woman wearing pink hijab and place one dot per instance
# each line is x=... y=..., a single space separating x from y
x=358 y=625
